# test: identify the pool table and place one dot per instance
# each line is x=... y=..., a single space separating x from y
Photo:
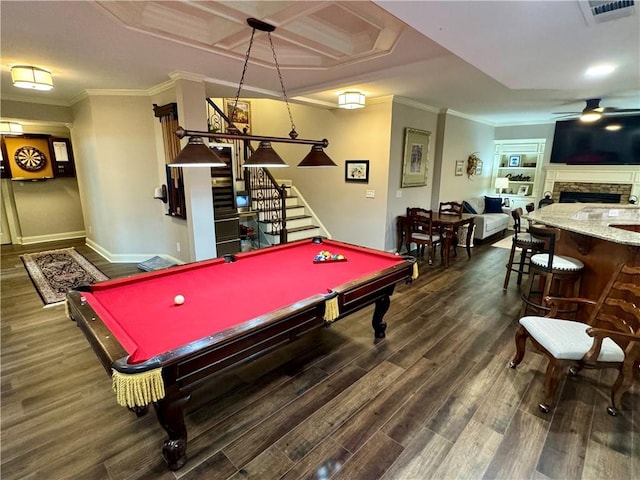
x=235 y=308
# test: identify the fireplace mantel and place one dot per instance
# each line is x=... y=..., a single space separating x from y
x=619 y=174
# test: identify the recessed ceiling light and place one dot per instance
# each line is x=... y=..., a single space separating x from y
x=600 y=70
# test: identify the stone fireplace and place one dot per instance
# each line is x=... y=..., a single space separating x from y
x=589 y=192
x=585 y=183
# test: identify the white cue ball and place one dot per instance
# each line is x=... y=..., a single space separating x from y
x=178 y=300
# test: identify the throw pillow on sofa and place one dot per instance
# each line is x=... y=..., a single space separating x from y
x=468 y=208
x=492 y=205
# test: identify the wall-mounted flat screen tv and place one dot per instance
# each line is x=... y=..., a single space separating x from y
x=609 y=141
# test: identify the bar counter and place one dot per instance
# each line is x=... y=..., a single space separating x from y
x=586 y=233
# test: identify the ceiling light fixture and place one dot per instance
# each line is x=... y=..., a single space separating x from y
x=264 y=156
x=10 y=128
x=592 y=112
x=351 y=100
x=35 y=78
x=600 y=70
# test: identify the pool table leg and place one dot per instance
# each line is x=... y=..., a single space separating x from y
x=170 y=412
x=378 y=323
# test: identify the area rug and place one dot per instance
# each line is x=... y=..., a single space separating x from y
x=55 y=272
x=503 y=242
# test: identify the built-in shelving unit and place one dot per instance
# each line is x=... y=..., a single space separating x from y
x=520 y=161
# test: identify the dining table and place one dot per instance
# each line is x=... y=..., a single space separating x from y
x=448 y=227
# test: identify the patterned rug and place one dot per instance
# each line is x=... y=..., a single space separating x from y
x=55 y=272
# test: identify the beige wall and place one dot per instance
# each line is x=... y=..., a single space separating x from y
x=118 y=171
x=461 y=138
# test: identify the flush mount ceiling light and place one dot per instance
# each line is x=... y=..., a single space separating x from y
x=600 y=70
x=351 y=100
x=264 y=156
x=35 y=78
x=10 y=128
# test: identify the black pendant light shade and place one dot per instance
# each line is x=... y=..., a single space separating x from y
x=197 y=154
x=265 y=157
x=316 y=158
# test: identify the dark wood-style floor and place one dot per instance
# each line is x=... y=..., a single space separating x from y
x=435 y=399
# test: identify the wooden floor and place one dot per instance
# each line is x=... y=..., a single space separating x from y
x=435 y=399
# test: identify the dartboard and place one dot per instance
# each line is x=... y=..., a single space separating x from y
x=30 y=159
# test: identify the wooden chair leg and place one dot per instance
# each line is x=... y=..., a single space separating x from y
x=509 y=265
x=523 y=257
x=551 y=382
x=621 y=385
x=521 y=345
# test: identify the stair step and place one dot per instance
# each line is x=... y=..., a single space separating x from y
x=294 y=230
x=294 y=217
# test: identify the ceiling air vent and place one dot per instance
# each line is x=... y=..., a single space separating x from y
x=599 y=11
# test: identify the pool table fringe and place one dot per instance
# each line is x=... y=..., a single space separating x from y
x=138 y=389
x=331 y=309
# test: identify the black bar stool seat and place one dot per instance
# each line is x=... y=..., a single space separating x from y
x=550 y=274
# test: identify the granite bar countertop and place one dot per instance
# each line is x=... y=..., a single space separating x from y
x=592 y=219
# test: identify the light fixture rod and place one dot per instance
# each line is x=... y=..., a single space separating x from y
x=181 y=133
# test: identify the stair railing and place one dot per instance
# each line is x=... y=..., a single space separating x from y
x=268 y=198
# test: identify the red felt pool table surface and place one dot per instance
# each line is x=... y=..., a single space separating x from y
x=141 y=313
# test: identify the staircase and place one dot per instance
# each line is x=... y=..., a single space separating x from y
x=301 y=223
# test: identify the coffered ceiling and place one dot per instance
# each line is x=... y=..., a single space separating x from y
x=502 y=63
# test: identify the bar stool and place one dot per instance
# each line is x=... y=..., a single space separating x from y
x=556 y=275
x=528 y=246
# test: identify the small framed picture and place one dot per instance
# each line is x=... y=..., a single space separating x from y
x=356 y=171
x=459 y=168
x=514 y=161
x=239 y=113
x=523 y=190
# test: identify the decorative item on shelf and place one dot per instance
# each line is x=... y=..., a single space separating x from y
x=27 y=76
x=514 y=161
x=351 y=100
x=523 y=190
x=518 y=178
x=633 y=199
x=472 y=164
x=264 y=156
x=529 y=165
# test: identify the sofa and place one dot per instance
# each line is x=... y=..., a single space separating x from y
x=490 y=216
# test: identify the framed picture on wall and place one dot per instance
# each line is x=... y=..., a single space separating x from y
x=356 y=171
x=240 y=115
x=523 y=190
x=459 y=168
x=514 y=161
x=416 y=157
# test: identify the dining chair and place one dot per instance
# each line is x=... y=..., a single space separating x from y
x=454 y=209
x=421 y=231
x=609 y=338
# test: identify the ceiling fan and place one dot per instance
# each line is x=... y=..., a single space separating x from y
x=593 y=111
